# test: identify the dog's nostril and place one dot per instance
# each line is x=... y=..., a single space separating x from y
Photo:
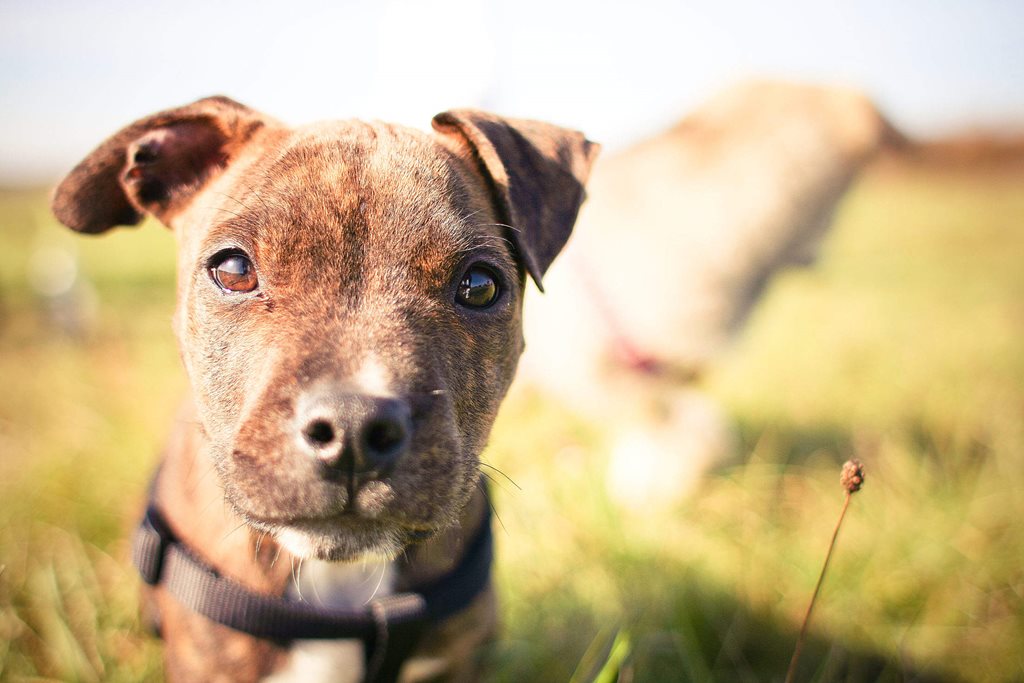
x=385 y=436
x=319 y=432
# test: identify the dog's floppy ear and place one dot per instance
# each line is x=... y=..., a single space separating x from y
x=536 y=171
x=154 y=165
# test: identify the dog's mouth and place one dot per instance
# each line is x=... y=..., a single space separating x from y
x=343 y=537
x=351 y=515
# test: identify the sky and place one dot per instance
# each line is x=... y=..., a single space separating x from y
x=74 y=71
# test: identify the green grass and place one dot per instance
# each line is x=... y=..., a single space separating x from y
x=904 y=348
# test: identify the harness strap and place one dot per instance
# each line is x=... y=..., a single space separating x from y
x=389 y=626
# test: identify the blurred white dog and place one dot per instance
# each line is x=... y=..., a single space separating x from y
x=678 y=240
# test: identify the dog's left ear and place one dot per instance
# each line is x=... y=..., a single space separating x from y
x=536 y=172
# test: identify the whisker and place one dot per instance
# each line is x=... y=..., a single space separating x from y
x=482 y=242
x=490 y=504
x=206 y=508
x=510 y=480
x=491 y=240
x=222 y=210
x=501 y=225
x=295 y=579
x=257 y=195
x=259 y=543
x=232 y=198
x=465 y=219
x=316 y=592
x=225 y=536
x=380 y=582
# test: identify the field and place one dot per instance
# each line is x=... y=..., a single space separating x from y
x=904 y=348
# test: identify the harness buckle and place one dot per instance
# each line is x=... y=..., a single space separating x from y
x=399 y=621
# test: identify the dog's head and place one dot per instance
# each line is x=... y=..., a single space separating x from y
x=349 y=299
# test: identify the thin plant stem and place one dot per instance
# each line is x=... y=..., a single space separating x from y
x=821 y=578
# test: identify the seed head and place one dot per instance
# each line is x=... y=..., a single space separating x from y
x=852 y=477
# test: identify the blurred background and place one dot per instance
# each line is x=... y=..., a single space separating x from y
x=903 y=346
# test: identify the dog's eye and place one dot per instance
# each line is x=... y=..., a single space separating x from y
x=478 y=288
x=233 y=272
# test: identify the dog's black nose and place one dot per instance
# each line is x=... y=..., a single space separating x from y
x=354 y=433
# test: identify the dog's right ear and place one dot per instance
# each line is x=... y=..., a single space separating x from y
x=155 y=165
x=536 y=173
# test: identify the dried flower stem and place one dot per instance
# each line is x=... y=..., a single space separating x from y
x=852 y=479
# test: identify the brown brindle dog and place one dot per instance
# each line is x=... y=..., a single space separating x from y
x=349 y=308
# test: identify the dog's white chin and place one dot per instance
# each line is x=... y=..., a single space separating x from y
x=341 y=545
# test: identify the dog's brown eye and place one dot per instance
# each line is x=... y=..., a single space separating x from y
x=234 y=272
x=479 y=288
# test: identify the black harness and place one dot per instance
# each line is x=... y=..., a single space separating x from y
x=389 y=626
